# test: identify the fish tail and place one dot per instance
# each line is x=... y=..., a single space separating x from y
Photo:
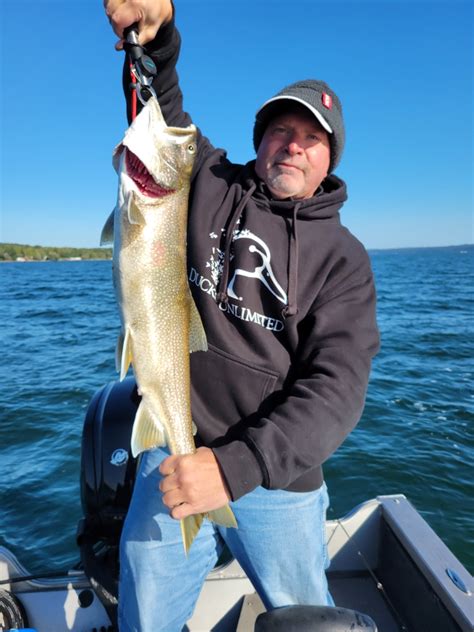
x=223 y=516
x=189 y=529
x=191 y=524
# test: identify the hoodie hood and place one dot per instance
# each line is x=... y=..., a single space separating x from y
x=324 y=205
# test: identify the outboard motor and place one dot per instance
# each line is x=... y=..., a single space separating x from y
x=107 y=478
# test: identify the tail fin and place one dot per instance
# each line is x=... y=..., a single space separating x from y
x=189 y=529
x=223 y=516
x=191 y=524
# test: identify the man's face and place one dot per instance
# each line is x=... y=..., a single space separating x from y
x=294 y=155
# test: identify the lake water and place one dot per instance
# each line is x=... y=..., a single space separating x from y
x=58 y=333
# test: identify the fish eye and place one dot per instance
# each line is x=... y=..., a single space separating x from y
x=191 y=148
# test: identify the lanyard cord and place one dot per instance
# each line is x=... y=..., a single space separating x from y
x=142 y=69
x=133 y=94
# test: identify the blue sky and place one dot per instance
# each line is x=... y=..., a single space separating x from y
x=403 y=71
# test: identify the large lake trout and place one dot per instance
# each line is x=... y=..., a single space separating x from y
x=160 y=322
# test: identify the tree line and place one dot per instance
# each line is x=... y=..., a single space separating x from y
x=15 y=252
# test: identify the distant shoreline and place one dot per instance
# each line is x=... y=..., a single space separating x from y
x=53 y=260
x=24 y=253
x=455 y=247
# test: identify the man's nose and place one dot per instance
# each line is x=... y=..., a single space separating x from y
x=294 y=147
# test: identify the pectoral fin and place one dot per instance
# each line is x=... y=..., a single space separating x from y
x=123 y=353
x=147 y=432
x=107 y=234
x=197 y=335
x=135 y=216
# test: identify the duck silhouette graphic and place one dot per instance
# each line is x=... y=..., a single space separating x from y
x=262 y=270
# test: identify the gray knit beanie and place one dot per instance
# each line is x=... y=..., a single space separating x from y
x=320 y=100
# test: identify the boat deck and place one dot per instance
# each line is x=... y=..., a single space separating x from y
x=361 y=593
x=385 y=562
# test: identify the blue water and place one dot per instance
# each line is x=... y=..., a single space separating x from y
x=58 y=332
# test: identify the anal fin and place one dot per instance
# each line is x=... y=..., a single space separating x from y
x=147 y=432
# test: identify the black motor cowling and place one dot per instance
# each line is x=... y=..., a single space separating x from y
x=107 y=466
x=107 y=478
x=314 y=619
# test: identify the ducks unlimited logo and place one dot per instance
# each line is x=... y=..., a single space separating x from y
x=258 y=268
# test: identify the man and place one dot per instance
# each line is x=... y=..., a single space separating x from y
x=287 y=300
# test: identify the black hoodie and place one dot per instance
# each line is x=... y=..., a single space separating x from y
x=287 y=299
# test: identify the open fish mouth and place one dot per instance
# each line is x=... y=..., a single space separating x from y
x=142 y=178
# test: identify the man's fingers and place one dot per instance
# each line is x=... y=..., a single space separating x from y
x=147 y=34
x=122 y=16
x=148 y=14
x=168 y=465
x=168 y=483
x=172 y=499
x=181 y=511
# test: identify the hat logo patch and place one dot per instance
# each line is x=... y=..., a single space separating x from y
x=327 y=100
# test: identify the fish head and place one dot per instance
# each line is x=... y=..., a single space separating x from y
x=153 y=159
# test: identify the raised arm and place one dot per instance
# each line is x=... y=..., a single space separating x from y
x=157 y=32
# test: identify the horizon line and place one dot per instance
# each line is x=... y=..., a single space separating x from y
x=372 y=248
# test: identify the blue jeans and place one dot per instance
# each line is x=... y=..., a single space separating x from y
x=280 y=544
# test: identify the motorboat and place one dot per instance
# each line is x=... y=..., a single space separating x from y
x=389 y=570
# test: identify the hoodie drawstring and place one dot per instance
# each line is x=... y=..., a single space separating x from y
x=221 y=296
x=291 y=309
